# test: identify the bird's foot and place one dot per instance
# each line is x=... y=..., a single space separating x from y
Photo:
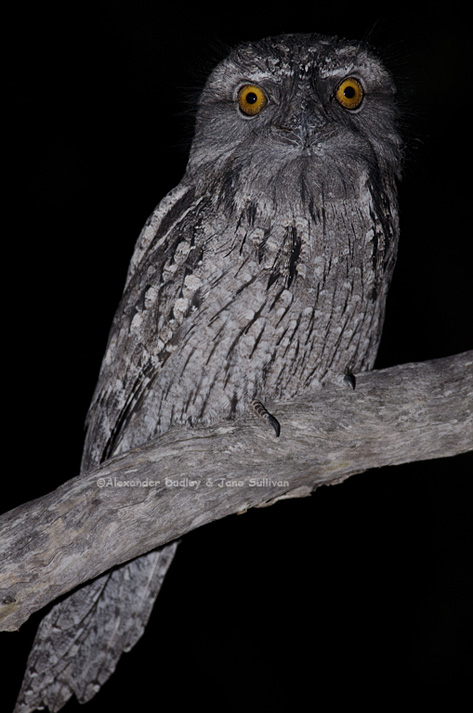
x=264 y=413
x=350 y=378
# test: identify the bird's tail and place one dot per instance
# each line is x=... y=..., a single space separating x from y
x=79 y=643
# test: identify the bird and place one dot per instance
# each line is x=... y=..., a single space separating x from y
x=261 y=276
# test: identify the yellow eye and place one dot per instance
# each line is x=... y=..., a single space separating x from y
x=251 y=99
x=350 y=93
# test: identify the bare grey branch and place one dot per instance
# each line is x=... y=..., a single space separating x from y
x=146 y=497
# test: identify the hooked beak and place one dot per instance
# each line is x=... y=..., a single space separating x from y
x=300 y=123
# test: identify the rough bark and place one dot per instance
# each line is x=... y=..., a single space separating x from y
x=189 y=477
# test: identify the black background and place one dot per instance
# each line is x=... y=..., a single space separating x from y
x=360 y=594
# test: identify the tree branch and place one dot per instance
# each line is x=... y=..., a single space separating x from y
x=188 y=477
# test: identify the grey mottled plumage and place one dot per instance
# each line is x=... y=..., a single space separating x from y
x=261 y=275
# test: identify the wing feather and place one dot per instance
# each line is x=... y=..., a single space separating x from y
x=142 y=330
x=79 y=642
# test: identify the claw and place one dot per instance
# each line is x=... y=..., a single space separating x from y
x=264 y=413
x=350 y=379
